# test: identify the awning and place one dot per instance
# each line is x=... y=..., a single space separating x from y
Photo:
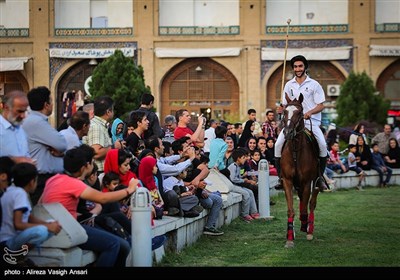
x=12 y=63
x=337 y=53
x=182 y=52
x=377 y=50
x=89 y=53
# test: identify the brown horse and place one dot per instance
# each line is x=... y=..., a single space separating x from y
x=299 y=168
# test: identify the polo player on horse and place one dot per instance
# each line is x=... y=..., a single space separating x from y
x=314 y=97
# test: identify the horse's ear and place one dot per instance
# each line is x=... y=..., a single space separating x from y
x=301 y=97
x=287 y=98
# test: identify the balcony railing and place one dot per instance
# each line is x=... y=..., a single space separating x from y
x=310 y=29
x=387 y=27
x=199 y=30
x=92 y=32
x=14 y=32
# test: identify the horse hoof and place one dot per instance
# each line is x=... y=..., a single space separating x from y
x=310 y=237
x=289 y=244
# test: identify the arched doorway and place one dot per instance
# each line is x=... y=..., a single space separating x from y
x=388 y=83
x=323 y=72
x=200 y=85
x=12 y=80
x=72 y=81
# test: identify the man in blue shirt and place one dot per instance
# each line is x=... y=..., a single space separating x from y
x=14 y=143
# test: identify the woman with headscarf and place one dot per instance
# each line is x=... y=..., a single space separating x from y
x=147 y=171
x=247 y=133
x=117 y=130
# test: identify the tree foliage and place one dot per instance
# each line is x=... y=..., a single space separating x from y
x=358 y=101
x=121 y=79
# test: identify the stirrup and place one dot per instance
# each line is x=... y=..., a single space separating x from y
x=322 y=185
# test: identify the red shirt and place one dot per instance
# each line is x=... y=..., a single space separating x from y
x=65 y=190
x=180 y=132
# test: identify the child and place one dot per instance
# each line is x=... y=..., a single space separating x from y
x=20 y=229
x=271 y=157
x=109 y=183
x=352 y=162
x=379 y=165
x=334 y=163
x=248 y=206
x=255 y=159
x=147 y=171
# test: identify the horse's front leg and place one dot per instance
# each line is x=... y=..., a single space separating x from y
x=290 y=234
x=313 y=205
x=303 y=206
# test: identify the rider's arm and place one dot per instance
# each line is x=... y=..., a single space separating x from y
x=314 y=111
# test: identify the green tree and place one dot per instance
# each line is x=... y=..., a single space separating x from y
x=358 y=101
x=121 y=79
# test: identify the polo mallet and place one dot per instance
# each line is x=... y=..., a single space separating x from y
x=284 y=61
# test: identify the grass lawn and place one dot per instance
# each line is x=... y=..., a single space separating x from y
x=352 y=229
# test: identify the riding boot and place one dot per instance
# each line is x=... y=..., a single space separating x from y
x=279 y=185
x=321 y=182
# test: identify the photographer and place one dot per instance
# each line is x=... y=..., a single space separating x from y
x=183 y=117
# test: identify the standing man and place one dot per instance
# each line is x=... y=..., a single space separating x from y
x=382 y=139
x=147 y=104
x=183 y=117
x=46 y=144
x=98 y=137
x=14 y=142
x=314 y=97
x=267 y=128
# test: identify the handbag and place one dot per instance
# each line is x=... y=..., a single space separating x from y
x=111 y=225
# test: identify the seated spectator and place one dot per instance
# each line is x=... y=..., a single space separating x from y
x=334 y=163
x=228 y=155
x=270 y=156
x=255 y=160
x=248 y=207
x=352 y=162
x=67 y=188
x=118 y=161
x=147 y=171
x=187 y=198
x=218 y=149
x=20 y=229
x=358 y=131
x=379 y=165
x=392 y=159
x=363 y=154
x=6 y=164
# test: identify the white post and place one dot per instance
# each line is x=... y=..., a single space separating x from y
x=141 y=228
x=263 y=189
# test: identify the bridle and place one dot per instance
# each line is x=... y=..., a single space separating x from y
x=291 y=130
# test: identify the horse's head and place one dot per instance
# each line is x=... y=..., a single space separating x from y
x=293 y=121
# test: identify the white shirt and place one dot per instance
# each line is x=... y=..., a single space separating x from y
x=312 y=92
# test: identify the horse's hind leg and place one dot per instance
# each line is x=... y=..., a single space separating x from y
x=313 y=205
